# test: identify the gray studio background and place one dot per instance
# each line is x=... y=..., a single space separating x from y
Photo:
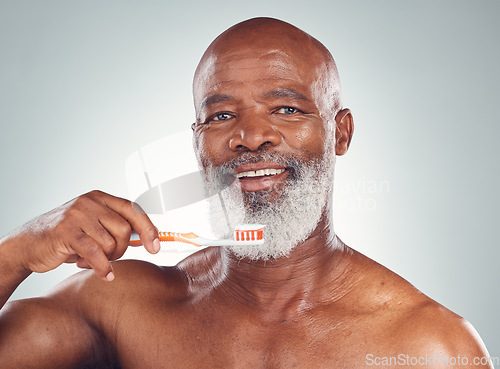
x=85 y=83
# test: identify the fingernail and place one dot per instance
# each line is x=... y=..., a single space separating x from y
x=156 y=245
x=110 y=276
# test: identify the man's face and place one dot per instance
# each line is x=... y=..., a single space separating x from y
x=259 y=120
x=251 y=99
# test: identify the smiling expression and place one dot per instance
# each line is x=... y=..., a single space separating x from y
x=257 y=91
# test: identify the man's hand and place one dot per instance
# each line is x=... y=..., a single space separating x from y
x=90 y=230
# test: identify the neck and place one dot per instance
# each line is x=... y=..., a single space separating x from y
x=315 y=272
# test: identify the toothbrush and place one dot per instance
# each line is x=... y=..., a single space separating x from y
x=244 y=234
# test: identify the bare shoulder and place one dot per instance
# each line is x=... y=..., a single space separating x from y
x=135 y=280
x=73 y=324
x=433 y=329
x=139 y=287
x=416 y=326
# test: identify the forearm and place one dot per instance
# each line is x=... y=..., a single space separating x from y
x=12 y=272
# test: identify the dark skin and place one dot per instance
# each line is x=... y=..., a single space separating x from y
x=325 y=305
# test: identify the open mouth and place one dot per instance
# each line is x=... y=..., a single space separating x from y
x=259 y=173
x=261 y=178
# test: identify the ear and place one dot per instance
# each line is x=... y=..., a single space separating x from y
x=194 y=139
x=343 y=131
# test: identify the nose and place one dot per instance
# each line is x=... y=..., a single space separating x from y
x=252 y=134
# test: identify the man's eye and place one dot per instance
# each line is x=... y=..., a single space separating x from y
x=287 y=110
x=221 y=116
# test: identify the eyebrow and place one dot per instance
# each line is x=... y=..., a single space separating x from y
x=279 y=92
x=286 y=92
x=214 y=99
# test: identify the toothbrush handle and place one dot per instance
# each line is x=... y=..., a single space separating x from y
x=167 y=237
x=178 y=237
x=134 y=239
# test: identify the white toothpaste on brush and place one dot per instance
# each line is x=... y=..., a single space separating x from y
x=244 y=234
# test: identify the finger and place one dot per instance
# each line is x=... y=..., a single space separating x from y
x=81 y=263
x=110 y=229
x=89 y=250
x=138 y=219
x=119 y=251
x=120 y=229
x=71 y=259
x=147 y=231
x=87 y=212
x=101 y=235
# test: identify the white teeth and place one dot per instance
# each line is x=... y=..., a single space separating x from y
x=259 y=173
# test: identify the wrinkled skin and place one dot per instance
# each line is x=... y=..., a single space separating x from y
x=262 y=85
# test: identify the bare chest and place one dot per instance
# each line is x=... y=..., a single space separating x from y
x=188 y=340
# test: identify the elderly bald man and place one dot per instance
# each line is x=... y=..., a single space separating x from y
x=267 y=96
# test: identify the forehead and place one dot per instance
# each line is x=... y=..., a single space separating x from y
x=266 y=68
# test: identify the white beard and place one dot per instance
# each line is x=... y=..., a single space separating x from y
x=291 y=213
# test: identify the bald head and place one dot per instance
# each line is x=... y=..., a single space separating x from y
x=263 y=33
x=264 y=38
